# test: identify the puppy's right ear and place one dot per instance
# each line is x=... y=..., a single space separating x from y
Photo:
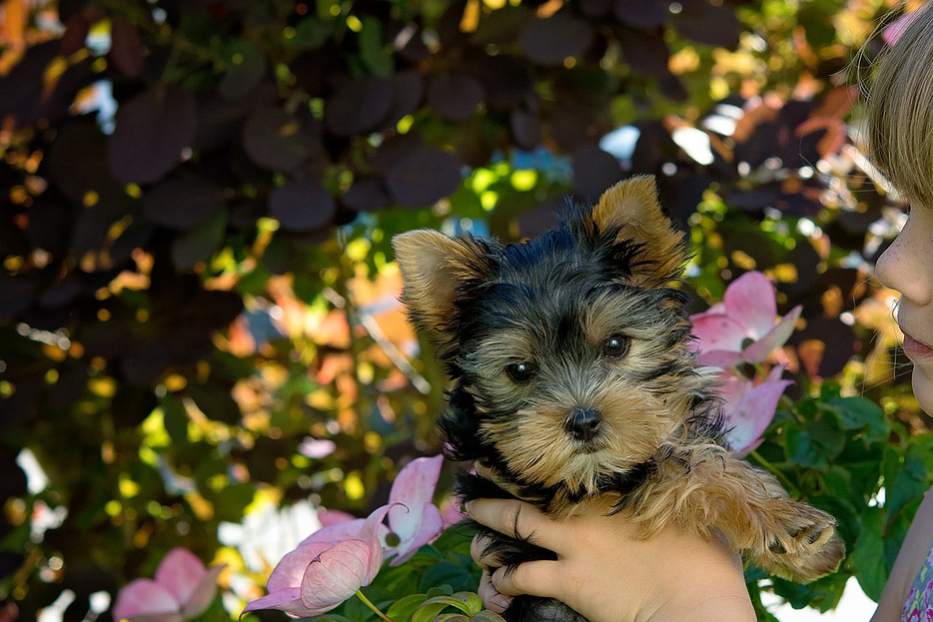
x=435 y=270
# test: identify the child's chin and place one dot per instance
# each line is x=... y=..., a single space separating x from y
x=922 y=381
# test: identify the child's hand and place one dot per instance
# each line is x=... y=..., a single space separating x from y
x=607 y=573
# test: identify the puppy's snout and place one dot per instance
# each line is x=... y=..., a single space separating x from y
x=583 y=423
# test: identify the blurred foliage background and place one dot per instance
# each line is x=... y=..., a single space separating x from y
x=200 y=342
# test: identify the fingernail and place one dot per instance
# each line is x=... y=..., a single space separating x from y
x=466 y=506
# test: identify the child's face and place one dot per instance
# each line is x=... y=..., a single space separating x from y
x=907 y=266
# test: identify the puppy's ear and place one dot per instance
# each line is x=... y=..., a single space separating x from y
x=435 y=269
x=632 y=208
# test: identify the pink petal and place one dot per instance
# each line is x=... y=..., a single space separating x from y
x=336 y=575
x=316 y=448
x=892 y=33
x=374 y=534
x=718 y=331
x=288 y=601
x=750 y=301
x=430 y=524
x=413 y=489
x=330 y=518
x=291 y=568
x=749 y=408
x=203 y=594
x=450 y=511
x=180 y=572
x=775 y=338
x=144 y=597
x=336 y=532
x=719 y=358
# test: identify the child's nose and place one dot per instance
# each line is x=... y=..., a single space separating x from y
x=903 y=268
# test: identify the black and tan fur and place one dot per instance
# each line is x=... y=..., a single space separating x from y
x=561 y=304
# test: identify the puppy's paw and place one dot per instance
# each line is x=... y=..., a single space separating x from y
x=803 y=544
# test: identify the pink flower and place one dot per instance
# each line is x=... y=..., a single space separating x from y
x=413 y=518
x=326 y=569
x=329 y=518
x=749 y=407
x=183 y=589
x=316 y=448
x=742 y=328
x=893 y=31
x=450 y=511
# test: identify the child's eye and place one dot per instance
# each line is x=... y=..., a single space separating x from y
x=521 y=372
x=616 y=346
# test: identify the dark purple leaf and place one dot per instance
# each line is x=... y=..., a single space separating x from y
x=526 y=129
x=407 y=89
x=152 y=131
x=126 y=48
x=302 y=205
x=594 y=171
x=549 y=41
x=423 y=176
x=245 y=66
x=535 y=221
x=275 y=140
x=454 y=95
x=645 y=52
x=506 y=82
x=837 y=341
x=199 y=243
x=367 y=194
x=16 y=293
x=21 y=89
x=707 y=23
x=183 y=202
x=358 y=106
x=641 y=13
x=596 y=8
x=395 y=149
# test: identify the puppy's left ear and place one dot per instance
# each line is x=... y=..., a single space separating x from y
x=632 y=207
x=435 y=271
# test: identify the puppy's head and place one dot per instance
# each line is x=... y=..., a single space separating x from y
x=570 y=357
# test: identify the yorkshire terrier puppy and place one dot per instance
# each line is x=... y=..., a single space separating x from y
x=573 y=376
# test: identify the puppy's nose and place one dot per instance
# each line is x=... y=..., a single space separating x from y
x=583 y=423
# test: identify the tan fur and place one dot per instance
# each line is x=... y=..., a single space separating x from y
x=633 y=205
x=433 y=266
x=705 y=489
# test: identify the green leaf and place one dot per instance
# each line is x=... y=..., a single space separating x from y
x=310 y=33
x=245 y=66
x=487 y=616
x=868 y=555
x=200 y=243
x=909 y=485
x=402 y=609
x=451 y=617
x=374 y=54
x=428 y=611
x=856 y=413
x=802 y=449
x=176 y=419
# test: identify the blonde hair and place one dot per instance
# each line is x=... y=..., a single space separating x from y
x=899 y=107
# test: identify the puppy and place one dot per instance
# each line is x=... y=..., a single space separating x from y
x=573 y=376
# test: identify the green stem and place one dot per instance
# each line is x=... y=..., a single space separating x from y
x=368 y=603
x=774 y=470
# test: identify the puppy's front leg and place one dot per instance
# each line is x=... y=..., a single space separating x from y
x=706 y=489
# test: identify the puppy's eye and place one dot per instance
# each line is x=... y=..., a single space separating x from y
x=616 y=346
x=521 y=372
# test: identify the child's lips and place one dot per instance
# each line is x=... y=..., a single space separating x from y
x=916 y=349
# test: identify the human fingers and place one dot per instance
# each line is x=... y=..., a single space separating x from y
x=538 y=578
x=479 y=550
x=519 y=520
x=492 y=600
